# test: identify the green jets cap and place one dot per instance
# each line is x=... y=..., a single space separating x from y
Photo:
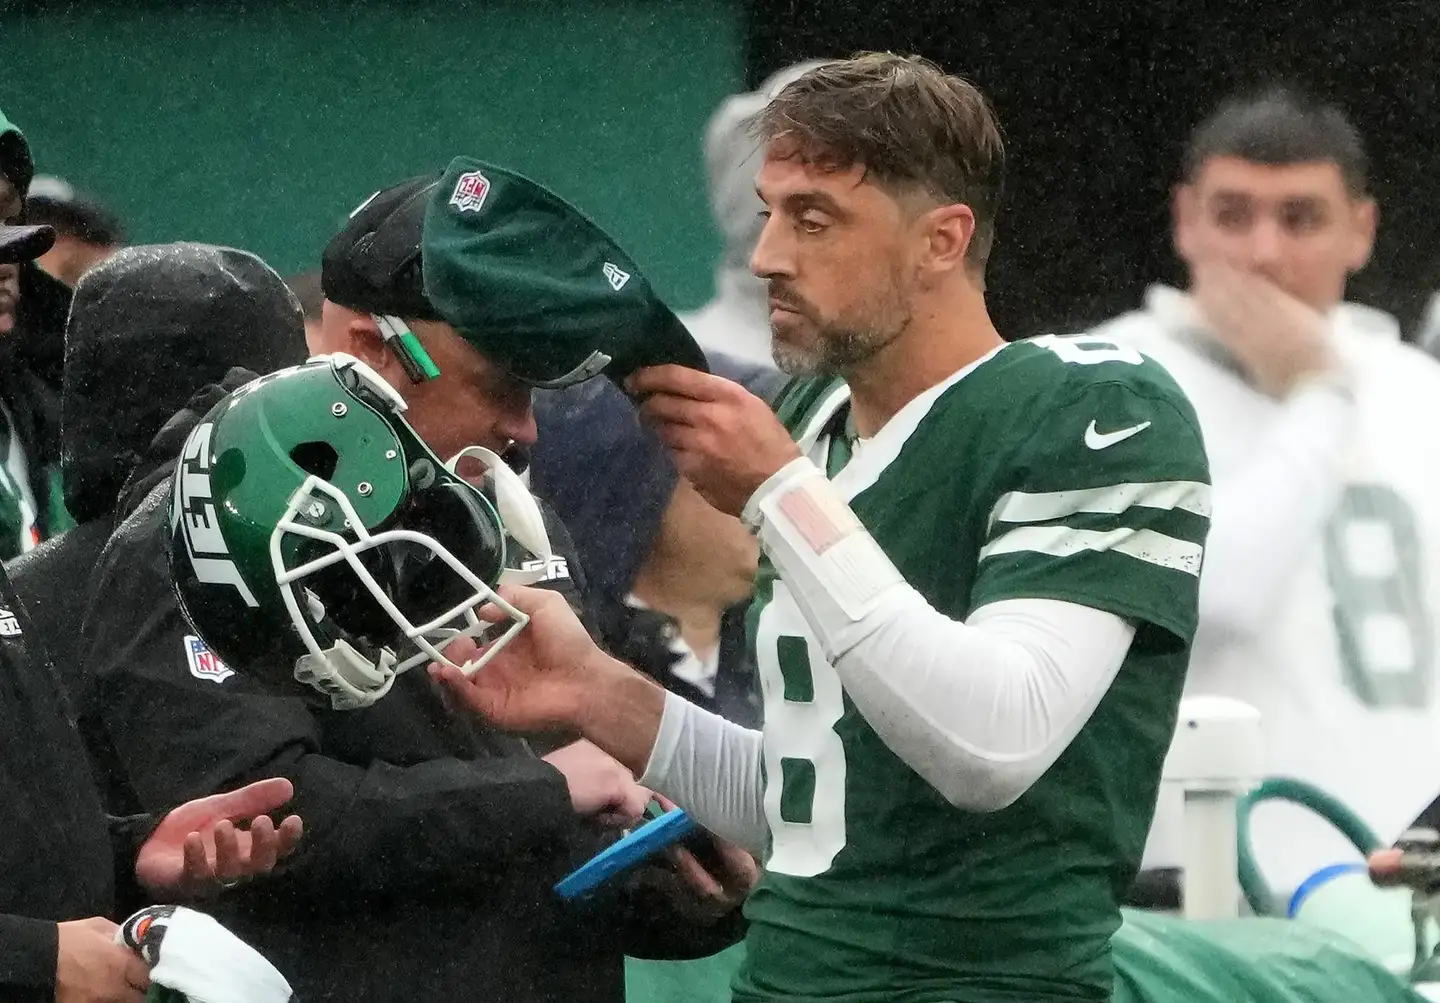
x=537 y=287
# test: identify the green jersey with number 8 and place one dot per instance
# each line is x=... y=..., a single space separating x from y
x=1060 y=468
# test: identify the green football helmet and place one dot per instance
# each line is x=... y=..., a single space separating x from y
x=315 y=538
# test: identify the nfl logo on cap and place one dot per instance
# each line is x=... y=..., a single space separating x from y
x=470 y=191
x=203 y=663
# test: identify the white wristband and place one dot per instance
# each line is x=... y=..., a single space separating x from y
x=830 y=562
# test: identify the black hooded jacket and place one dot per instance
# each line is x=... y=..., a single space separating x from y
x=432 y=841
x=61 y=858
x=147 y=328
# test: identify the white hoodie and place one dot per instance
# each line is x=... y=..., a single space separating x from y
x=1320 y=596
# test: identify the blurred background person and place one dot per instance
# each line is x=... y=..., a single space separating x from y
x=1321 y=588
x=737 y=320
x=86 y=232
x=33 y=306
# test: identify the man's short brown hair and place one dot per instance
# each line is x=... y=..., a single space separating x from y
x=907 y=122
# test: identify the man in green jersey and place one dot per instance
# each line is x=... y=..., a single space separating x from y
x=976 y=597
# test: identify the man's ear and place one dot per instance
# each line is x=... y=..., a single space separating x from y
x=1364 y=220
x=1185 y=223
x=364 y=341
x=950 y=230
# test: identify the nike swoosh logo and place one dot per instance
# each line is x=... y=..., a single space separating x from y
x=1104 y=440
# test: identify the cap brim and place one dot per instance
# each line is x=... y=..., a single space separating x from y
x=669 y=344
x=24 y=243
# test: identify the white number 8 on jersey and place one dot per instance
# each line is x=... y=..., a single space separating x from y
x=804 y=757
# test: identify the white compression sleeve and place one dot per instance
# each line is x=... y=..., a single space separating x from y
x=979 y=709
x=1270 y=513
x=710 y=767
x=982 y=709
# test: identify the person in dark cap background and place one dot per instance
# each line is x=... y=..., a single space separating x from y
x=149 y=327
x=33 y=306
x=86 y=232
x=446 y=837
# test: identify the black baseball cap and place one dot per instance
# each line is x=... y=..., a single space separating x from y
x=373 y=264
x=24 y=243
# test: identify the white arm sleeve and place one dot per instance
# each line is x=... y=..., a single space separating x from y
x=1269 y=514
x=982 y=709
x=710 y=767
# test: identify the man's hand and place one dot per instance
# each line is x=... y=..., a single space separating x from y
x=551 y=675
x=197 y=849
x=726 y=441
x=1276 y=338
x=91 y=968
x=699 y=895
x=541 y=679
x=599 y=786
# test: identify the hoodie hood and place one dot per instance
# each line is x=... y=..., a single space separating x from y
x=147 y=328
x=158 y=463
x=15 y=161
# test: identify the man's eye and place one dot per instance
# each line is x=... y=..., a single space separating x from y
x=812 y=223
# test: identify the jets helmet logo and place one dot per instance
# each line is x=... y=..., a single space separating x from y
x=194 y=508
x=9 y=624
x=470 y=191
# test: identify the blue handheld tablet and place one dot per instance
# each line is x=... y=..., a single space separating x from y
x=644 y=842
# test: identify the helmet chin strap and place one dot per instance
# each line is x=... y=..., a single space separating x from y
x=345 y=675
x=519 y=512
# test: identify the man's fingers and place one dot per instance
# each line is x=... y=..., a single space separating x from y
x=259 y=798
x=137 y=973
x=291 y=831
x=667 y=409
x=678 y=380
x=196 y=860
x=264 y=847
x=227 y=852
x=460 y=686
x=695 y=876
x=634 y=800
x=741 y=870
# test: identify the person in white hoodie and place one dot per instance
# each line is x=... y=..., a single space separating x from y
x=1321 y=585
x=736 y=322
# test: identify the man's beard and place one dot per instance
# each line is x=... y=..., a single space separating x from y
x=841 y=345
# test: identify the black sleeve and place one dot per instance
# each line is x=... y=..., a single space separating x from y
x=370 y=829
x=127 y=834
x=29 y=951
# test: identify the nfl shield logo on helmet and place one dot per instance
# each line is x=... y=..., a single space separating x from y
x=203 y=662
x=470 y=191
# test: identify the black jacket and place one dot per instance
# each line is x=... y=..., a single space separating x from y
x=432 y=841
x=147 y=327
x=61 y=858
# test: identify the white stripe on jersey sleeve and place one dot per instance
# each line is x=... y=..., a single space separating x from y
x=1061 y=541
x=1024 y=506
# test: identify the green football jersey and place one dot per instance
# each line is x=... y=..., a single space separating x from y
x=1059 y=468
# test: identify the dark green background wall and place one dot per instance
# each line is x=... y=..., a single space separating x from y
x=261 y=124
